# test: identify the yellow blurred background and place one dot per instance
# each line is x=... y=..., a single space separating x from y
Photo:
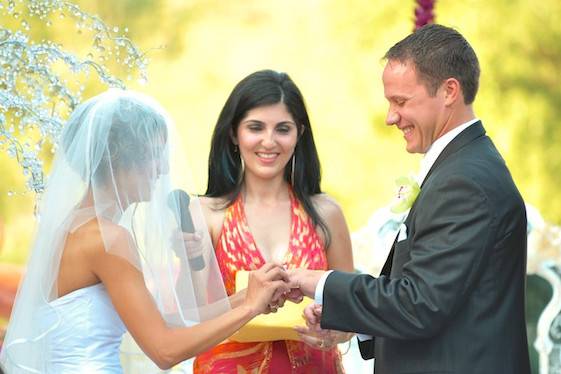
x=199 y=49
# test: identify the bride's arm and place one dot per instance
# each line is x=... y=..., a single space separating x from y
x=237 y=298
x=167 y=346
x=199 y=277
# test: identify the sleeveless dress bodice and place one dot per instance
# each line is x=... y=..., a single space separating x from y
x=237 y=250
x=86 y=332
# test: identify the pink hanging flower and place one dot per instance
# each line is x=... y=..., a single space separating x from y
x=424 y=13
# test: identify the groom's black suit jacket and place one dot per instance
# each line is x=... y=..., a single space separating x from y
x=450 y=298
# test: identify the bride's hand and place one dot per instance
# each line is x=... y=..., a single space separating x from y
x=266 y=289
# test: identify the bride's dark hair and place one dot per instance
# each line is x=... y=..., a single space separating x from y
x=262 y=88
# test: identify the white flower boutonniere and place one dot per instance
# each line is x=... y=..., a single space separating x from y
x=407 y=192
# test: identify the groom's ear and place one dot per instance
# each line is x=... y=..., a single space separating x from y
x=452 y=91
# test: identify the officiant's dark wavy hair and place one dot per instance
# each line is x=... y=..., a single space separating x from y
x=262 y=88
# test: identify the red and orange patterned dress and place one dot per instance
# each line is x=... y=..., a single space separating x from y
x=236 y=250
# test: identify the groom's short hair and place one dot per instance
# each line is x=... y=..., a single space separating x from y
x=438 y=53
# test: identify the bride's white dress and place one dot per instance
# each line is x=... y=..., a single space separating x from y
x=86 y=334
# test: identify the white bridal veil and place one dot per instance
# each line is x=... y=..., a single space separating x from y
x=117 y=164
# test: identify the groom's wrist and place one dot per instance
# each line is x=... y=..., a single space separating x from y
x=318 y=295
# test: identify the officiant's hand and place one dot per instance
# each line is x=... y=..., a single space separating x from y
x=266 y=288
x=188 y=243
x=316 y=337
x=305 y=280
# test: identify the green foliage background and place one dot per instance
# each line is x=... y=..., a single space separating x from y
x=199 y=49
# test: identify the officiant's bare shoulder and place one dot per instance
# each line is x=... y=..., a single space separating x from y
x=213 y=210
x=338 y=244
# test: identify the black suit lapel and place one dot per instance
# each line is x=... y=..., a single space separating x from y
x=465 y=137
x=387 y=268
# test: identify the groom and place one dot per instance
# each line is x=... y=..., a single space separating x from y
x=450 y=298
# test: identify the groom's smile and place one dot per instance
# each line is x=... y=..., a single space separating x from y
x=412 y=108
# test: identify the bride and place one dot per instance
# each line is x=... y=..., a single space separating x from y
x=106 y=257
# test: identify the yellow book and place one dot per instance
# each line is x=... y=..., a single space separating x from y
x=272 y=326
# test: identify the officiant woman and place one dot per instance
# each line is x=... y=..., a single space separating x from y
x=264 y=203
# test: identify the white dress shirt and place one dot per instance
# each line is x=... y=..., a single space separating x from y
x=427 y=161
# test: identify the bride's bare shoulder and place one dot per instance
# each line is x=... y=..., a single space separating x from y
x=99 y=236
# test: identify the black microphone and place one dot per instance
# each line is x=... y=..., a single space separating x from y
x=178 y=202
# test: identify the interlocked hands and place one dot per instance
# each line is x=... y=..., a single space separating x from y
x=270 y=287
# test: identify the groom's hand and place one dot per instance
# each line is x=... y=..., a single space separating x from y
x=305 y=280
x=312 y=315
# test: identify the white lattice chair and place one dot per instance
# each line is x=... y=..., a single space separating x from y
x=544 y=259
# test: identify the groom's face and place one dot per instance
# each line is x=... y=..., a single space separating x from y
x=411 y=109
